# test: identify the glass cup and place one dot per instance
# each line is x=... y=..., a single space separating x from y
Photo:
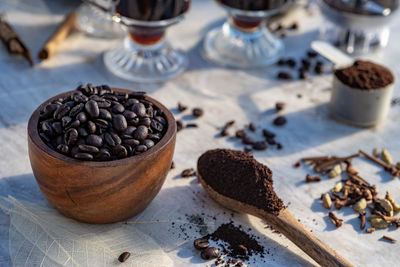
x=146 y=55
x=99 y=23
x=244 y=41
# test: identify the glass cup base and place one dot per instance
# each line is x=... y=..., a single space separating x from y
x=141 y=63
x=232 y=47
x=98 y=23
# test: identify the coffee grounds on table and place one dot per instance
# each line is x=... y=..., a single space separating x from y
x=236 y=239
x=365 y=75
x=237 y=175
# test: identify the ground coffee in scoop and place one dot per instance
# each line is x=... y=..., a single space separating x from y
x=237 y=175
x=365 y=75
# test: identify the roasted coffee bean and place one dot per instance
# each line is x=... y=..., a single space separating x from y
x=281 y=62
x=181 y=107
x=124 y=256
x=155 y=137
x=247 y=140
x=129 y=130
x=71 y=136
x=191 y=125
x=129 y=149
x=161 y=120
x=148 y=143
x=81 y=141
x=312 y=54
x=61 y=111
x=140 y=133
x=303 y=74
x=252 y=127
x=279 y=146
x=70 y=104
x=89 y=149
x=260 y=145
x=83 y=156
x=141 y=148
x=210 y=253
x=100 y=123
x=157 y=126
x=92 y=108
x=120 y=151
x=280 y=120
x=119 y=123
x=94 y=140
x=188 y=172
x=137 y=94
x=75 y=110
x=47 y=128
x=291 y=62
x=105 y=114
x=104 y=103
x=294 y=26
x=65 y=121
x=201 y=243
x=131 y=142
x=79 y=98
x=60 y=140
x=139 y=109
x=118 y=108
x=270 y=141
x=104 y=154
x=240 y=133
x=63 y=148
x=91 y=126
x=109 y=140
x=121 y=96
x=145 y=121
x=75 y=124
x=82 y=117
x=82 y=132
x=130 y=102
x=279 y=106
x=305 y=63
x=319 y=68
x=284 y=76
x=129 y=115
x=268 y=134
x=179 y=125
x=57 y=127
x=50 y=108
x=197 y=112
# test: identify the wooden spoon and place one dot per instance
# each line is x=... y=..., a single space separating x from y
x=287 y=224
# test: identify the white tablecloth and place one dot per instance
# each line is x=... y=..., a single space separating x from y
x=225 y=94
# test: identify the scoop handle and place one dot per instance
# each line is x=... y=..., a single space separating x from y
x=287 y=224
x=334 y=55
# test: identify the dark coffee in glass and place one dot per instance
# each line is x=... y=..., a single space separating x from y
x=254 y=5
x=152 y=10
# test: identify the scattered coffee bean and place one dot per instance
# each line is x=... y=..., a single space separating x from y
x=124 y=256
x=279 y=106
x=172 y=165
x=280 y=120
x=260 y=145
x=247 y=140
x=268 y=134
x=201 y=243
x=281 y=62
x=312 y=54
x=302 y=74
x=191 y=125
x=229 y=123
x=252 y=127
x=181 y=107
x=179 y=125
x=294 y=26
x=210 y=253
x=291 y=63
x=97 y=123
x=240 y=133
x=319 y=68
x=297 y=164
x=279 y=146
x=284 y=76
x=188 y=172
x=197 y=112
x=224 y=132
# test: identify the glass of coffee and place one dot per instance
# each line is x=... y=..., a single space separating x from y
x=145 y=55
x=97 y=22
x=244 y=41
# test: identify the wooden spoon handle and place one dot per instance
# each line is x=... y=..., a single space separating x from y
x=287 y=224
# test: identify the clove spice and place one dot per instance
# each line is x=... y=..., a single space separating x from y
x=338 y=222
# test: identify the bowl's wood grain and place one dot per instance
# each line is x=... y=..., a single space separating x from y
x=100 y=192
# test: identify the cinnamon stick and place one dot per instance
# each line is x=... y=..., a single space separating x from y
x=13 y=42
x=58 y=36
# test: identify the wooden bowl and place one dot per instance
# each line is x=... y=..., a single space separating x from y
x=106 y=191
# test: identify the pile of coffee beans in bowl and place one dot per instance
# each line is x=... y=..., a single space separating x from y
x=97 y=123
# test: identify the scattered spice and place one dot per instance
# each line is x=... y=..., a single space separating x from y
x=13 y=42
x=370 y=230
x=297 y=164
x=326 y=201
x=389 y=238
x=280 y=121
x=310 y=178
x=386 y=157
x=338 y=222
